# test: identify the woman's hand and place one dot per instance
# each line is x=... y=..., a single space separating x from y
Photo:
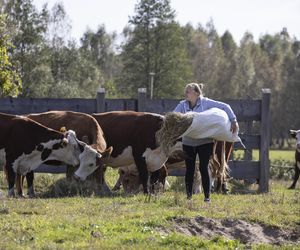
x=234 y=127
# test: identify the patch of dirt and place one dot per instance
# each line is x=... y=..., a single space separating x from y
x=246 y=232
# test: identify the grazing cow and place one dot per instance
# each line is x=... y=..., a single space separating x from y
x=88 y=130
x=133 y=137
x=129 y=178
x=26 y=144
x=296 y=134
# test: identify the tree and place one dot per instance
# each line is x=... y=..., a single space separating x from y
x=154 y=45
x=228 y=67
x=10 y=82
x=28 y=28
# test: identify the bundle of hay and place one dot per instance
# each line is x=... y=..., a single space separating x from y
x=174 y=125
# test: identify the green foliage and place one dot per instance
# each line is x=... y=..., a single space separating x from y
x=53 y=65
x=154 y=45
x=10 y=82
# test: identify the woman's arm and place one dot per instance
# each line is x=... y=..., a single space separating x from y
x=224 y=106
x=221 y=105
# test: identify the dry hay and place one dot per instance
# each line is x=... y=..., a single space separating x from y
x=68 y=188
x=174 y=125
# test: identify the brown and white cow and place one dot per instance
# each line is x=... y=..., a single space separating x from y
x=88 y=130
x=129 y=176
x=26 y=144
x=296 y=134
x=133 y=138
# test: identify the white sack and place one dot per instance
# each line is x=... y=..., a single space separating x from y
x=212 y=123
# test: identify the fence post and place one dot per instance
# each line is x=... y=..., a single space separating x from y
x=100 y=100
x=264 y=141
x=142 y=92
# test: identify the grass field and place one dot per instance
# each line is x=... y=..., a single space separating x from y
x=286 y=155
x=168 y=221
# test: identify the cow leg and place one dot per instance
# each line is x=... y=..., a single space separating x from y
x=119 y=182
x=224 y=188
x=11 y=181
x=140 y=162
x=70 y=172
x=19 y=185
x=29 y=179
x=101 y=186
x=154 y=176
x=296 y=177
x=218 y=185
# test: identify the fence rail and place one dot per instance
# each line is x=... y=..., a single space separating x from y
x=247 y=111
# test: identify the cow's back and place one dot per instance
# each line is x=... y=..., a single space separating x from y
x=83 y=124
x=21 y=135
x=129 y=128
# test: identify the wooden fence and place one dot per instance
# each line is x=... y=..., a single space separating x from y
x=247 y=111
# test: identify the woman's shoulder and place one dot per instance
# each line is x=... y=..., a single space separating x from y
x=182 y=101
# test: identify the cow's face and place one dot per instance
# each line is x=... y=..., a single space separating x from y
x=130 y=179
x=89 y=161
x=296 y=134
x=63 y=151
x=156 y=158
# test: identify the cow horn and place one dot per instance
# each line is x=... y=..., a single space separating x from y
x=63 y=129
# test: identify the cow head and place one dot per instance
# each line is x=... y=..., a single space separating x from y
x=296 y=134
x=156 y=158
x=65 y=150
x=129 y=176
x=90 y=160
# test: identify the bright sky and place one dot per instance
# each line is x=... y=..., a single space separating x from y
x=238 y=16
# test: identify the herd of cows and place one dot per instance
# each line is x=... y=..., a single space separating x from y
x=89 y=143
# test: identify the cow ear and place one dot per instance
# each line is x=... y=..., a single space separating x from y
x=293 y=132
x=40 y=147
x=64 y=142
x=45 y=154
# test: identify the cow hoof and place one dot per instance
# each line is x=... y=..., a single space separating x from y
x=292 y=187
x=20 y=195
x=11 y=193
x=31 y=195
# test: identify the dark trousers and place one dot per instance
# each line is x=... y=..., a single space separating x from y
x=204 y=153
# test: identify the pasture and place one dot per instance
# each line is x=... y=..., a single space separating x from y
x=241 y=220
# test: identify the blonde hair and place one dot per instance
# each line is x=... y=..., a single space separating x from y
x=197 y=87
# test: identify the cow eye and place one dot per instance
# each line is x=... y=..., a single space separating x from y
x=91 y=164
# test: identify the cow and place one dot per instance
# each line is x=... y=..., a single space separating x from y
x=133 y=138
x=26 y=144
x=129 y=177
x=296 y=134
x=88 y=130
x=130 y=180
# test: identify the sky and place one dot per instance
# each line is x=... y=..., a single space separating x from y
x=258 y=17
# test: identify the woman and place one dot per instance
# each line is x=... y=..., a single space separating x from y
x=196 y=102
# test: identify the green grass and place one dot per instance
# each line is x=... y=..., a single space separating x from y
x=130 y=222
x=286 y=155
